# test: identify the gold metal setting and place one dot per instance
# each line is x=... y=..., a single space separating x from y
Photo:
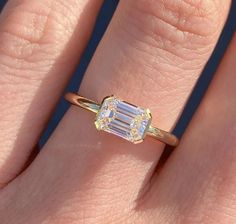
x=123 y=119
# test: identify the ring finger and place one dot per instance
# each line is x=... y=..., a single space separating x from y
x=151 y=55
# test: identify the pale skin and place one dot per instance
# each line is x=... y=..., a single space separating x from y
x=151 y=55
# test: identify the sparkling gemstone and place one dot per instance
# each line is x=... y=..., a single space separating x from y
x=123 y=119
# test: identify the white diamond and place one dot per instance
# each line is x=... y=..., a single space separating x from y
x=123 y=119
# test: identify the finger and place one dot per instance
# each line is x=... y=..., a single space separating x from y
x=41 y=42
x=151 y=56
x=198 y=183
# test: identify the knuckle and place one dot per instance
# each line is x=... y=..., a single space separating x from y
x=32 y=37
x=178 y=22
x=23 y=31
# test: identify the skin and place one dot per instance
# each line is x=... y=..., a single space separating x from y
x=151 y=55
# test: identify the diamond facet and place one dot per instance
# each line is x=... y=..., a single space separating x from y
x=123 y=119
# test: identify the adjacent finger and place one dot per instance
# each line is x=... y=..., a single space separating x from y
x=41 y=42
x=198 y=183
x=151 y=55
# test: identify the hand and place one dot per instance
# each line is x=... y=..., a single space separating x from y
x=151 y=55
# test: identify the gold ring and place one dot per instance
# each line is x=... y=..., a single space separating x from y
x=123 y=119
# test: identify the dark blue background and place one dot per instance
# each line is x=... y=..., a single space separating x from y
x=105 y=15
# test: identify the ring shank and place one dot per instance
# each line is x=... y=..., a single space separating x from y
x=162 y=136
x=94 y=107
x=82 y=102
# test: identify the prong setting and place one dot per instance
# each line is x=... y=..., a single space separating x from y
x=123 y=119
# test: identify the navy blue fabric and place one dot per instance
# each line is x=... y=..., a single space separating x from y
x=199 y=91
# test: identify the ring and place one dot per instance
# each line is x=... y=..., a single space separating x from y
x=123 y=119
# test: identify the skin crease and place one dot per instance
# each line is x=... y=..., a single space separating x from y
x=153 y=51
x=37 y=40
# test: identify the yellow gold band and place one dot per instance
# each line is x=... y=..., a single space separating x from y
x=95 y=107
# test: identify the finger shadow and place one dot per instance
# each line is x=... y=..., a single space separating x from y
x=191 y=107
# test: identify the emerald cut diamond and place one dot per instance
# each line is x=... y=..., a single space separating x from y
x=123 y=119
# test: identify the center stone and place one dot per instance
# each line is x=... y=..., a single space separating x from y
x=123 y=119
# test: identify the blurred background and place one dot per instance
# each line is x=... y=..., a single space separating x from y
x=103 y=20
